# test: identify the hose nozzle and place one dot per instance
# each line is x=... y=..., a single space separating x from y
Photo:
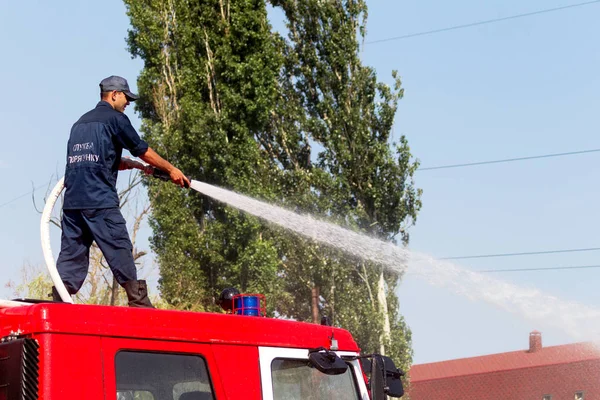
x=164 y=176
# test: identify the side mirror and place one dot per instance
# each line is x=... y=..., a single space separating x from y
x=393 y=378
x=385 y=378
x=327 y=362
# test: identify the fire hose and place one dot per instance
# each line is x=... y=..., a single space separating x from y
x=47 y=215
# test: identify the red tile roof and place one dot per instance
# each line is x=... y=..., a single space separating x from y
x=505 y=361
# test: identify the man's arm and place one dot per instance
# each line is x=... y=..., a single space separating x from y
x=128 y=163
x=152 y=158
x=139 y=148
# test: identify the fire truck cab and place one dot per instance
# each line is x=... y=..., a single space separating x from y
x=60 y=351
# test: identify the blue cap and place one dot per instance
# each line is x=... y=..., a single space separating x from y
x=119 y=84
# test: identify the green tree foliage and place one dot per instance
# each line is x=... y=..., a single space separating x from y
x=359 y=180
x=234 y=104
x=209 y=80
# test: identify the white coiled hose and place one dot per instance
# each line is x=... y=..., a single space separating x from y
x=46 y=247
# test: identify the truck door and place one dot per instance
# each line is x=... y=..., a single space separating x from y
x=286 y=374
x=159 y=370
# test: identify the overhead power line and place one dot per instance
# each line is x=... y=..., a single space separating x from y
x=529 y=253
x=484 y=22
x=507 y=160
x=24 y=194
x=539 y=269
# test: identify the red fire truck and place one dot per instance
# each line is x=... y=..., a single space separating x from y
x=64 y=351
x=60 y=351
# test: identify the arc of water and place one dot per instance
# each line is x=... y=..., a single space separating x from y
x=578 y=320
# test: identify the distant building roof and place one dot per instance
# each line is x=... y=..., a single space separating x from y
x=552 y=355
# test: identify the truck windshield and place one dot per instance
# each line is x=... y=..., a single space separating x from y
x=161 y=376
x=298 y=380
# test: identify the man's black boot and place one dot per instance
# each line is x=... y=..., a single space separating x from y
x=56 y=296
x=137 y=294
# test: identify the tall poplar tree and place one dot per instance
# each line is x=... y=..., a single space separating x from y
x=209 y=79
x=362 y=179
x=295 y=120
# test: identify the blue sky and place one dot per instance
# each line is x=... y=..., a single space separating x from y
x=516 y=88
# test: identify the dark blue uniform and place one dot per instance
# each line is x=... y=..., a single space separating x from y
x=91 y=204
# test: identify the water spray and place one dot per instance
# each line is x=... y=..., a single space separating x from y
x=353 y=243
x=577 y=320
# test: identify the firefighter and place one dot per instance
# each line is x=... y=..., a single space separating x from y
x=91 y=203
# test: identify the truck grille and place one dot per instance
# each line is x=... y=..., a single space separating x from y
x=19 y=369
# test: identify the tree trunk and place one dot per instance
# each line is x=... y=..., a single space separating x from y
x=383 y=309
x=315 y=304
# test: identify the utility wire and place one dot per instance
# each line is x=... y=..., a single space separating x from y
x=529 y=253
x=24 y=194
x=539 y=269
x=489 y=21
x=506 y=160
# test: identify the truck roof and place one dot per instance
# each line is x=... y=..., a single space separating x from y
x=143 y=323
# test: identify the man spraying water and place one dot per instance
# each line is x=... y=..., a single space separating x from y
x=91 y=203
